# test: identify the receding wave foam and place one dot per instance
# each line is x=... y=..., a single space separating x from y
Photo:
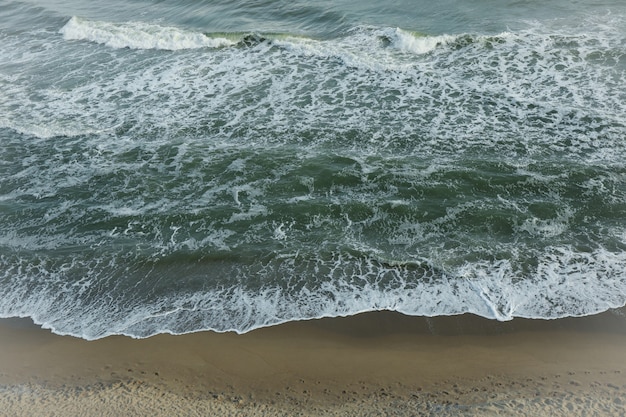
x=563 y=282
x=138 y=35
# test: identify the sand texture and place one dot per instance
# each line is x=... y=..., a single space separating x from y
x=369 y=365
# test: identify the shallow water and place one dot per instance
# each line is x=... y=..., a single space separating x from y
x=177 y=166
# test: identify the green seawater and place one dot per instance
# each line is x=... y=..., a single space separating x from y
x=178 y=166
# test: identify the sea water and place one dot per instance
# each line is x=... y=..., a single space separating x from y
x=182 y=165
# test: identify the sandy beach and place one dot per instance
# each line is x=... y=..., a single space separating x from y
x=371 y=364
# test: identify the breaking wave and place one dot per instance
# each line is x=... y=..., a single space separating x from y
x=138 y=35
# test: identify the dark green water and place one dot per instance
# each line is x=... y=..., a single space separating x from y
x=178 y=166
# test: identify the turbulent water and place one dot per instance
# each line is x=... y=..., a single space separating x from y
x=182 y=165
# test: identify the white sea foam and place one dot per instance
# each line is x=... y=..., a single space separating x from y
x=394 y=117
x=547 y=227
x=564 y=285
x=448 y=96
x=411 y=42
x=138 y=35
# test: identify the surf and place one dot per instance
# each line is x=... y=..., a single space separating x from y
x=161 y=177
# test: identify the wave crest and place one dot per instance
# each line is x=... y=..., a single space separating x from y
x=138 y=35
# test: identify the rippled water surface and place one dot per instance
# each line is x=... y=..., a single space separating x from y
x=178 y=166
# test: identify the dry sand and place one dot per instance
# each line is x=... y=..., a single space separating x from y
x=369 y=365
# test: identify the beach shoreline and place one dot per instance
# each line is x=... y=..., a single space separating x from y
x=367 y=364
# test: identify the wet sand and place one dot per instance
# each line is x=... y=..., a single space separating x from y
x=372 y=364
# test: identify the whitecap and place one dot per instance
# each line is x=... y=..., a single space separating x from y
x=138 y=35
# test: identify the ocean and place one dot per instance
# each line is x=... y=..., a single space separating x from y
x=185 y=165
